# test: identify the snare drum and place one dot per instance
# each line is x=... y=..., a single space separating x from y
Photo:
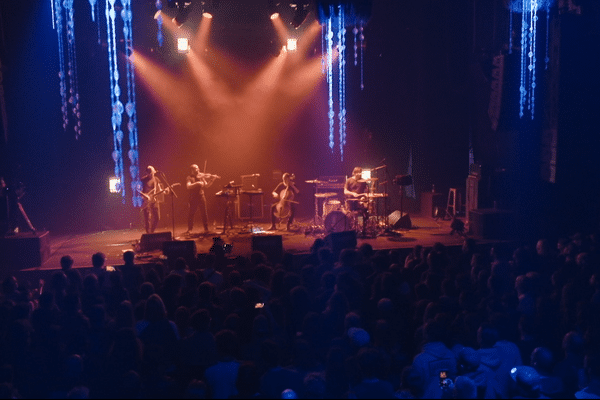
x=331 y=205
x=337 y=221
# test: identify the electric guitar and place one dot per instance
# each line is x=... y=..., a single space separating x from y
x=152 y=197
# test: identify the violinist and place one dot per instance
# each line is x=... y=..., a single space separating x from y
x=195 y=183
x=285 y=205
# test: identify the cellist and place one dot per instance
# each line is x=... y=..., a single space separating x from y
x=285 y=205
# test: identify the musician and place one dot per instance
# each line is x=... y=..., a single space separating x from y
x=152 y=188
x=356 y=191
x=356 y=188
x=284 y=195
x=196 y=181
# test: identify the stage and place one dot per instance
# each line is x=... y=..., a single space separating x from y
x=424 y=231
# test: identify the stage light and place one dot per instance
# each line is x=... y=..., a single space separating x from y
x=114 y=184
x=365 y=174
x=275 y=15
x=206 y=14
x=292 y=44
x=300 y=13
x=183 y=11
x=183 y=45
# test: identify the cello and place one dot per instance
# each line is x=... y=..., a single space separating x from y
x=283 y=208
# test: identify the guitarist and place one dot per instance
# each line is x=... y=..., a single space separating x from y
x=151 y=189
x=285 y=205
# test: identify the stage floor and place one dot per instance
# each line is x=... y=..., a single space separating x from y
x=424 y=231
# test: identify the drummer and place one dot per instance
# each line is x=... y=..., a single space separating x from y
x=356 y=191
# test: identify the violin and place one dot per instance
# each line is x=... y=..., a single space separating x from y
x=204 y=175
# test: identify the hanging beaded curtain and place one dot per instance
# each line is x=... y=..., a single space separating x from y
x=117 y=106
x=334 y=18
x=63 y=22
x=529 y=10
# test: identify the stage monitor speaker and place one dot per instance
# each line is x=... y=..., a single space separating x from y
x=174 y=249
x=154 y=241
x=337 y=241
x=270 y=245
x=398 y=222
x=24 y=250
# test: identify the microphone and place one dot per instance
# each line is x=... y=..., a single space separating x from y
x=255 y=174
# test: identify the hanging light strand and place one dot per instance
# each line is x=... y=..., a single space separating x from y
x=331 y=113
x=341 y=36
x=522 y=91
x=130 y=107
x=510 y=32
x=73 y=100
x=547 y=57
x=115 y=92
x=362 y=57
x=62 y=74
x=532 y=56
x=159 y=23
x=93 y=7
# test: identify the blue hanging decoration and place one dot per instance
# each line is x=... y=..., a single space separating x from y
x=362 y=46
x=159 y=22
x=331 y=113
x=93 y=7
x=115 y=93
x=547 y=58
x=355 y=32
x=72 y=68
x=130 y=107
x=334 y=18
x=342 y=79
x=529 y=19
x=62 y=73
x=53 y=14
x=510 y=32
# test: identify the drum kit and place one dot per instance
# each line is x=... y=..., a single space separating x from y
x=341 y=214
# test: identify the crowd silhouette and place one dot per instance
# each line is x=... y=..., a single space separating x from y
x=502 y=320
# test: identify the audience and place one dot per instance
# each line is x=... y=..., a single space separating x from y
x=481 y=321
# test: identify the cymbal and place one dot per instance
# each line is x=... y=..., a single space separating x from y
x=328 y=194
x=315 y=181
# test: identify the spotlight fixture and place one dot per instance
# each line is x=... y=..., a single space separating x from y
x=292 y=44
x=183 y=10
x=301 y=11
x=183 y=45
x=272 y=7
x=114 y=184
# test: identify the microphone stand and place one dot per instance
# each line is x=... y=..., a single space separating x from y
x=173 y=194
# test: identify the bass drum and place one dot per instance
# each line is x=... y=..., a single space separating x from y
x=331 y=205
x=337 y=221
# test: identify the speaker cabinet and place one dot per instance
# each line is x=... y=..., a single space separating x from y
x=337 y=241
x=174 y=249
x=154 y=241
x=24 y=250
x=397 y=222
x=491 y=223
x=430 y=201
